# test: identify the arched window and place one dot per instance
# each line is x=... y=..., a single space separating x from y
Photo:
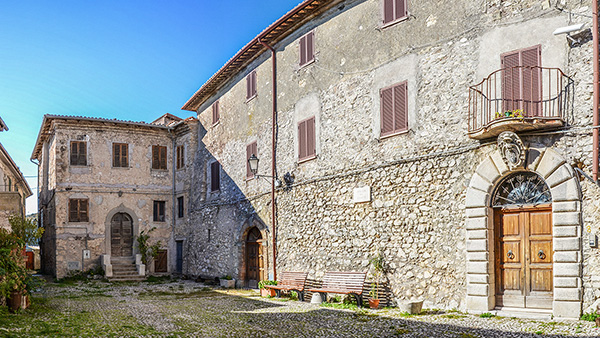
x=522 y=188
x=254 y=235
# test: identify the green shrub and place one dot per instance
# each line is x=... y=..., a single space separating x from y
x=590 y=317
x=262 y=283
x=487 y=315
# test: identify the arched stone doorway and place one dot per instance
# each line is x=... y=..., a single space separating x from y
x=522 y=207
x=565 y=218
x=254 y=258
x=121 y=231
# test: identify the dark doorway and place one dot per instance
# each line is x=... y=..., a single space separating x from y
x=254 y=258
x=160 y=263
x=121 y=230
x=179 y=257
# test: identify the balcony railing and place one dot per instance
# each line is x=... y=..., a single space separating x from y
x=519 y=99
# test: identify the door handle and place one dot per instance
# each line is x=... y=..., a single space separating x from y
x=510 y=254
x=541 y=254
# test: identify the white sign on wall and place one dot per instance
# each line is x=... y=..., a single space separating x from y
x=362 y=194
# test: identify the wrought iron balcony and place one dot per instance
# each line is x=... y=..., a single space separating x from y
x=519 y=99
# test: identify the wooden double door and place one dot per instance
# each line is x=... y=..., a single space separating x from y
x=121 y=235
x=523 y=257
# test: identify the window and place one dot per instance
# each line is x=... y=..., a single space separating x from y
x=78 y=153
x=306 y=139
x=120 y=155
x=250 y=149
x=215 y=112
x=78 y=210
x=521 y=81
x=180 y=157
x=215 y=176
x=159 y=157
x=159 y=211
x=394 y=109
x=394 y=11
x=307 y=47
x=251 y=85
x=180 y=206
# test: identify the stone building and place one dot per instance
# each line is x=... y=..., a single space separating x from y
x=387 y=137
x=104 y=181
x=13 y=186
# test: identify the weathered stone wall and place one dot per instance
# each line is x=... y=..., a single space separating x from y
x=418 y=179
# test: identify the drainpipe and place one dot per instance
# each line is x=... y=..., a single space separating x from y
x=173 y=171
x=273 y=136
x=596 y=91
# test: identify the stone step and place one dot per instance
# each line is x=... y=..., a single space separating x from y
x=122 y=260
x=127 y=279
x=124 y=267
x=125 y=273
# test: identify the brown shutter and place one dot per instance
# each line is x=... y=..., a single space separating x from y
x=303 y=47
x=215 y=176
x=311 y=141
x=530 y=60
x=400 y=107
x=163 y=157
x=400 y=10
x=82 y=153
x=302 y=140
x=74 y=153
x=248 y=86
x=116 y=154
x=511 y=87
x=83 y=210
x=215 y=112
x=310 y=44
x=387 y=111
x=73 y=214
x=253 y=83
x=388 y=11
x=125 y=155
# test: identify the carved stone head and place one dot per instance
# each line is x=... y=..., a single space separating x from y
x=511 y=149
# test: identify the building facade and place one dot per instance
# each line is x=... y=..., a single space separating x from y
x=104 y=182
x=13 y=187
x=453 y=137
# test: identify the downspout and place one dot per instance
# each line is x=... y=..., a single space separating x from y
x=596 y=91
x=273 y=140
x=173 y=184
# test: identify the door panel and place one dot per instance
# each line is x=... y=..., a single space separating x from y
x=121 y=239
x=524 y=257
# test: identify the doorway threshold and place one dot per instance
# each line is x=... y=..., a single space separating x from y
x=539 y=314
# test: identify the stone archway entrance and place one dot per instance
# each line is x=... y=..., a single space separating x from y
x=121 y=231
x=254 y=258
x=523 y=242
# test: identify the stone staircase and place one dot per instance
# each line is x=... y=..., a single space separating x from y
x=124 y=270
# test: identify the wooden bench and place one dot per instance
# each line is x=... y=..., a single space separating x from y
x=347 y=283
x=290 y=281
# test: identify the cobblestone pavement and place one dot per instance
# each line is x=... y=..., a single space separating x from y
x=188 y=309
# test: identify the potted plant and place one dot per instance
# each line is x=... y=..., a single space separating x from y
x=227 y=282
x=265 y=292
x=377 y=263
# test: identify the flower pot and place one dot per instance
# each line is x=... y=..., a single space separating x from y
x=15 y=301
x=413 y=307
x=267 y=293
x=373 y=303
x=227 y=283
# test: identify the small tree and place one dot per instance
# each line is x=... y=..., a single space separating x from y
x=377 y=263
x=25 y=229
x=149 y=252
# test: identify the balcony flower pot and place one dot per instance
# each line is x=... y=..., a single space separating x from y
x=374 y=303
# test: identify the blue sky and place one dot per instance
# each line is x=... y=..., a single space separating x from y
x=131 y=60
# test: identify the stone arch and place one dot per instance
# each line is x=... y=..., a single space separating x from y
x=566 y=223
x=107 y=221
x=247 y=225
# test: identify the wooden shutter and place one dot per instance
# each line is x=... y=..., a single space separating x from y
x=252 y=148
x=400 y=10
x=163 y=157
x=307 y=48
x=394 y=10
x=74 y=153
x=73 y=212
x=155 y=211
x=155 y=158
x=215 y=176
x=511 y=81
x=303 y=50
x=388 y=11
x=302 y=140
x=78 y=153
x=400 y=108
x=83 y=210
x=311 y=140
x=531 y=78
x=180 y=157
x=387 y=111
x=215 y=112
x=251 y=85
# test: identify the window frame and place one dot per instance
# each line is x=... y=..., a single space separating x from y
x=159 y=161
x=180 y=157
x=120 y=144
x=78 y=154
x=300 y=44
x=396 y=19
x=159 y=211
x=216 y=112
x=251 y=81
x=311 y=156
x=180 y=207
x=76 y=216
x=395 y=131
x=212 y=189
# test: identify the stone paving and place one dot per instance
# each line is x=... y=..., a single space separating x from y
x=189 y=309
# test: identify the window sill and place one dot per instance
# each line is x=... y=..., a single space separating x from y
x=306 y=159
x=159 y=170
x=216 y=123
x=121 y=167
x=306 y=64
x=251 y=98
x=392 y=23
x=78 y=166
x=400 y=132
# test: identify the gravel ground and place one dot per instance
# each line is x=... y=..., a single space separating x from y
x=188 y=309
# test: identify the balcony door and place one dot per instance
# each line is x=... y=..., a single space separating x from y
x=522 y=82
